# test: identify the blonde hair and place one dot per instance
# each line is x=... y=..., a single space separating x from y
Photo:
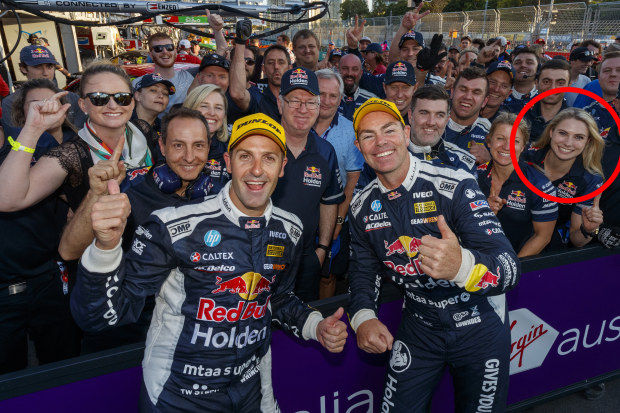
x=593 y=151
x=200 y=93
x=506 y=118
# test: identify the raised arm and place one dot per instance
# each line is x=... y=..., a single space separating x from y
x=217 y=24
x=22 y=186
x=237 y=89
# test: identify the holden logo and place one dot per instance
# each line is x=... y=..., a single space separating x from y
x=531 y=340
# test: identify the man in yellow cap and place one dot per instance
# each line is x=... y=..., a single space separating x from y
x=429 y=229
x=223 y=270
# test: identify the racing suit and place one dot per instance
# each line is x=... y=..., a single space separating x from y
x=460 y=323
x=221 y=278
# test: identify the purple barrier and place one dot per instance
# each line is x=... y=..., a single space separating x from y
x=565 y=329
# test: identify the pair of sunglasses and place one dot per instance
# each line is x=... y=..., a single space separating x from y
x=160 y=48
x=249 y=61
x=102 y=99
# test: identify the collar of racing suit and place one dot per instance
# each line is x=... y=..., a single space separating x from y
x=412 y=175
x=234 y=214
x=430 y=152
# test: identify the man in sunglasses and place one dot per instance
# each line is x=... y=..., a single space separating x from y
x=163 y=53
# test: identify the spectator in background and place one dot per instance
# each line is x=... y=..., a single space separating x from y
x=465 y=42
x=466 y=129
x=528 y=220
x=609 y=80
x=195 y=50
x=284 y=41
x=364 y=42
x=334 y=59
x=306 y=49
x=526 y=64
x=338 y=131
x=453 y=53
x=539 y=47
x=163 y=53
x=466 y=58
x=552 y=74
x=597 y=49
x=500 y=75
x=151 y=95
x=373 y=59
x=37 y=62
x=35 y=300
x=477 y=44
x=184 y=55
x=399 y=86
x=581 y=59
x=610 y=199
x=354 y=96
x=211 y=102
x=311 y=187
x=570 y=152
x=407 y=42
x=276 y=61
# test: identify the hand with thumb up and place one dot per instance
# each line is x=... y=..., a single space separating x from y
x=440 y=258
x=109 y=216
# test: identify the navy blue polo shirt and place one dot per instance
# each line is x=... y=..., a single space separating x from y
x=610 y=199
x=601 y=116
x=523 y=206
x=349 y=104
x=309 y=180
x=465 y=136
x=269 y=104
x=577 y=182
x=517 y=101
x=536 y=121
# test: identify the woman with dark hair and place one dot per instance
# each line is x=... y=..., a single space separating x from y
x=35 y=300
x=527 y=219
x=570 y=152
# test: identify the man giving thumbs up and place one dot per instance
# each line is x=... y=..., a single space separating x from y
x=429 y=229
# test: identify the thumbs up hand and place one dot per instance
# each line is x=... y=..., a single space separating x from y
x=593 y=216
x=109 y=216
x=440 y=258
x=332 y=332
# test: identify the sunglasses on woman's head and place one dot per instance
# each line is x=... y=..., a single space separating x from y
x=102 y=99
x=160 y=48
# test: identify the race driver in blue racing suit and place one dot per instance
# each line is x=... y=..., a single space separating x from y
x=429 y=229
x=222 y=269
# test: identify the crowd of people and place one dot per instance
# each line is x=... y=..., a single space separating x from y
x=281 y=179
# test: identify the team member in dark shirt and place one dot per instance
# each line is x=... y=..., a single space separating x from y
x=553 y=74
x=500 y=76
x=311 y=187
x=570 y=151
x=527 y=219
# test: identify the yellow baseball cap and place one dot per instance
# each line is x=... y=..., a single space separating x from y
x=373 y=105
x=257 y=124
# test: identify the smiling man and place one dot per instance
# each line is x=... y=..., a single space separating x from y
x=311 y=187
x=466 y=128
x=164 y=53
x=306 y=49
x=350 y=68
x=223 y=270
x=429 y=229
x=500 y=76
x=399 y=86
x=526 y=62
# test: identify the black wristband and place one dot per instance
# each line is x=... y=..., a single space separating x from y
x=239 y=40
x=324 y=248
x=586 y=233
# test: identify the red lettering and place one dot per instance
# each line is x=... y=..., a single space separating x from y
x=207 y=311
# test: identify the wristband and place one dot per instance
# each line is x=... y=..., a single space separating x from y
x=587 y=234
x=324 y=248
x=239 y=40
x=16 y=146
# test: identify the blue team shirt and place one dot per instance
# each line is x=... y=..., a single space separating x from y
x=523 y=206
x=349 y=104
x=601 y=116
x=466 y=136
x=309 y=180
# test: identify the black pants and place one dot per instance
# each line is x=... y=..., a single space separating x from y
x=41 y=312
x=308 y=277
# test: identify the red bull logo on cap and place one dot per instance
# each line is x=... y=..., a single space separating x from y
x=248 y=286
x=299 y=77
x=481 y=277
x=403 y=245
